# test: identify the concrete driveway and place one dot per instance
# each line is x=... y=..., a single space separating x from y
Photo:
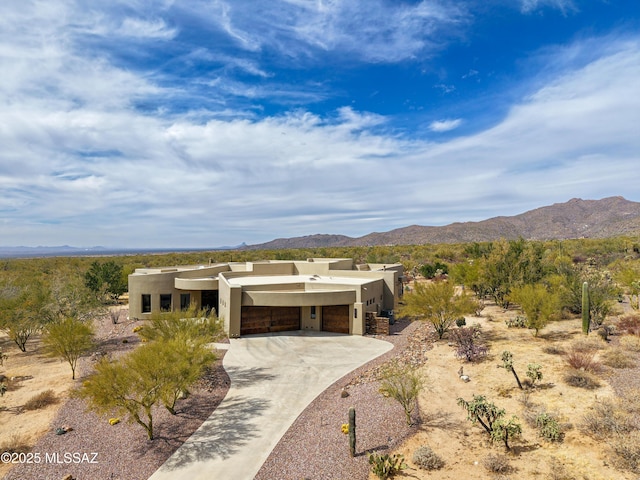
x=273 y=378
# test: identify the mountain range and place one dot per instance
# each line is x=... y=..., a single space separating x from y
x=577 y=218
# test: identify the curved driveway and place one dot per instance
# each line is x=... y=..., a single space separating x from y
x=273 y=378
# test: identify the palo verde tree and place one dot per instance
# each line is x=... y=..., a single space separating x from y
x=70 y=297
x=68 y=339
x=22 y=311
x=537 y=303
x=183 y=363
x=402 y=383
x=131 y=386
x=158 y=372
x=438 y=304
x=510 y=264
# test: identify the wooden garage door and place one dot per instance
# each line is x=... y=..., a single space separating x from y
x=335 y=318
x=269 y=319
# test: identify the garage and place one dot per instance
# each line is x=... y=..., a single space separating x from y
x=269 y=319
x=335 y=318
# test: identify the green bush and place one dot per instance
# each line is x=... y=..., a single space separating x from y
x=386 y=466
x=519 y=321
x=548 y=427
x=427 y=459
x=534 y=372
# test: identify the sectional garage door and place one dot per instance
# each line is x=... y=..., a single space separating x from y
x=269 y=319
x=335 y=318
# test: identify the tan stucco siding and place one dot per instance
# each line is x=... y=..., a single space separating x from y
x=301 y=298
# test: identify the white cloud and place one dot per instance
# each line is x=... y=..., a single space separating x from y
x=372 y=30
x=150 y=29
x=81 y=164
x=445 y=125
x=565 y=6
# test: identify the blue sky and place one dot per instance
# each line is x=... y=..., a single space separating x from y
x=203 y=123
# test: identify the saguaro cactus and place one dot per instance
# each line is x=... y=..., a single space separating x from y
x=352 y=431
x=586 y=316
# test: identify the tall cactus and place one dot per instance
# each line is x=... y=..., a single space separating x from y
x=586 y=315
x=352 y=431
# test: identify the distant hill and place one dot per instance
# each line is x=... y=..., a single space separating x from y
x=577 y=218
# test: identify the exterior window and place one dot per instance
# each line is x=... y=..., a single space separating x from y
x=313 y=312
x=165 y=302
x=146 y=303
x=185 y=301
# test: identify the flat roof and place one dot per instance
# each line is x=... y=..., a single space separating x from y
x=286 y=279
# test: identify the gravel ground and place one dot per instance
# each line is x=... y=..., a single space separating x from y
x=314 y=447
x=123 y=451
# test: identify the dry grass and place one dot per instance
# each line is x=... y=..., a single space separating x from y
x=631 y=343
x=616 y=358
x=627 y=451
x=615 y=422
x=41 y=400
x=15 y=444
x=554 y=350
x=629 y=324
x=581 y=379
x=584 y=360
x=496 y=463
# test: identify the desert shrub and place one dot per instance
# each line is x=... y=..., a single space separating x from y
x=403 y=383
x=461 y=322
x=519 y=321
x=627 y=451
x=525 y=400
x=591 y=344
x=629 y=324
x=496 y=463
x=554 y=350
x=386 y=466
x=581 y=379
x=631 y=343
x=534 y=372
x=115 y=315
x=41 y=400
x=15 y=444
x=582 y=360
x=605 y=331
x=3 y=388
x=427 y=459
x=557 y=471
x=548 y=427
x=468 y=343
x=605 y=419
x=616 y=358
x=491 y=418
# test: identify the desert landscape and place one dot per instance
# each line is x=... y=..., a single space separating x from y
x=466 y=449
x=441 y=424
